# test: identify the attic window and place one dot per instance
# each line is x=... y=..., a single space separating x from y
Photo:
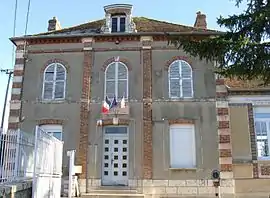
x=118 y=23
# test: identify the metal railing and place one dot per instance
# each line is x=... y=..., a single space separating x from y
x=16 y=156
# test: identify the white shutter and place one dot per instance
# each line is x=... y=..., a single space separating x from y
x=48 y=90
x=59 y=90
x=122 y=80
x=182 y=146
x=174 y=80
x=122 y=71
x=110 y=80
x=186 y=75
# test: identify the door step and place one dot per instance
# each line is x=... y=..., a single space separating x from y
x=113 y=192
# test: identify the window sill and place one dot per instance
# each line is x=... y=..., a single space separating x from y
x=183 y=169
x=264 y=160
x=59 y=101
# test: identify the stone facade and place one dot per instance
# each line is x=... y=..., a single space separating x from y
x=148 y=114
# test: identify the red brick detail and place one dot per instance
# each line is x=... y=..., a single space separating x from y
x=224 y=139
x=108 y=122
x=169 y=37
x=147 y=43
x=15 y=97
x=181 y=121
x=112 y=59
x=253 y=143
x=55 y=51
x=13 y=125
x=84 y=113
x=45 y=41
x=223 y=124
x=226 y=167
x=222 y=111
x=50 y=121
x=55 y=60
x=14 y=112
x=116 y=38
x=19 y=61
x=147 y=114
x=220 y=81
x=225 y=153
x=221 y=94
x=255 y=170
x=17 y=85
x=265 y=170
x=175 y=58
x=18 y=73
x=19 y=47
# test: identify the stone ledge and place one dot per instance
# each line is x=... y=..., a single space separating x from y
x=171 y=187
x=11 y=188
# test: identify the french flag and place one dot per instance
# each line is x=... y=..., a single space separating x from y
x=106 y=105
x=114 y=103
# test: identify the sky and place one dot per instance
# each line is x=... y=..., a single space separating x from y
x=74 y=12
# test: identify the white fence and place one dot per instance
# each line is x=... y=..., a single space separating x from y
x=48 y=165
x=16 y=156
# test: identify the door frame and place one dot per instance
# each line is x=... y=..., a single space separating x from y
x=103 y=146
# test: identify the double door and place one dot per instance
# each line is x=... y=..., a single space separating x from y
x=115 y=157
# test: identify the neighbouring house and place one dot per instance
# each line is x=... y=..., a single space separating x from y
x=174 y=123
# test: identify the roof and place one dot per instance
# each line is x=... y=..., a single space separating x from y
x=235 y=84
x=143 y=24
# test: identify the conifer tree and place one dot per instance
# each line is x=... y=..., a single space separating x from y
x=241 y=51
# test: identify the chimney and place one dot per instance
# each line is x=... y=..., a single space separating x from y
x=54 y=24
x=200 y=21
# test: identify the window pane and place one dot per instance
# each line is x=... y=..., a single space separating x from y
x=114 y=24
x=110 y=89
x=50 y=68
x=122 y=71
x=122 y=24
x=262 y=139
x=174 y=70
x=187 y=88
x=122 y=88
x=58 y=135
x=60 y=73
x=182 y=148
x=48 y=90
x=116 y=130
x=174 y=88
x=110 y=72
x=186 y=70
x=49 y=74
x=59 y=90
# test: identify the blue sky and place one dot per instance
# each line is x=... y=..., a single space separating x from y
x=80 y=11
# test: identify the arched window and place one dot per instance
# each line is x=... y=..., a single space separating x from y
x=180 y=80
x=54 y=82
x=116 y=80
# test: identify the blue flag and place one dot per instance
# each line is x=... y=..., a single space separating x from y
x=114 y=102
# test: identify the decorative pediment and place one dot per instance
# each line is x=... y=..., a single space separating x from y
x=118 y=18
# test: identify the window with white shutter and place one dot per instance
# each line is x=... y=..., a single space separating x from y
x=54 y=130
x=180 y=80
x=182 y=146
x=262 y=131
x=116 y=80
x=54 y=82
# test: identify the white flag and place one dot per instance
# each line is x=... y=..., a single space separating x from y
x=123 y=103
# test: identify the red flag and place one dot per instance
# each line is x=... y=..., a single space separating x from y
x=106 y=106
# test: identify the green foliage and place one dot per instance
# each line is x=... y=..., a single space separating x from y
x=240 y=51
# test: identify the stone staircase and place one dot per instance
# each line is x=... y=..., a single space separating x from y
x=113 y=192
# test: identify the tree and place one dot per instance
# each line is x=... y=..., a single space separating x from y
x=241 y=51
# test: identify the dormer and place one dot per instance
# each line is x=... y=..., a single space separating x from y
x=118 y=19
